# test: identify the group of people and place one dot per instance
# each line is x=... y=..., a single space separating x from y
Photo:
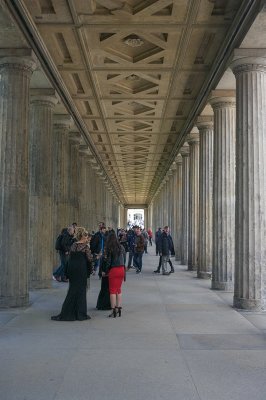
x=80 y=262
x=104 y=252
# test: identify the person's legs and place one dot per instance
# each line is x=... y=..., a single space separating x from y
x=130 y=256
x=96 y=265
x=119 y=300
x=113 y=300
x=164 y=264
x=157 y=271
x=136 y=262
x=145 y=248
x=140 y=261
x=171 y=265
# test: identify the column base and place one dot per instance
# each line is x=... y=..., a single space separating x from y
x=41 y=284
x=204 y=275
x=192 y=268
x=247 y=304
x=16 y=301
x=225 y=286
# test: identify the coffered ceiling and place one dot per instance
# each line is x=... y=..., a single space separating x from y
x=137 y=72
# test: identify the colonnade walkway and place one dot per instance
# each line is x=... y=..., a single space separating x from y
x=176 y=339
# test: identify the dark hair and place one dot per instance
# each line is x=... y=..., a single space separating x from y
x=112 y=245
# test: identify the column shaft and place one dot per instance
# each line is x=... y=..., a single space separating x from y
x=40 y=192
x=205 y=126
x=14 y=180
x=250 y=245
x=223 y=192
x=185 y=204
x=193 y=219
x=179 y=180
x=60 y=173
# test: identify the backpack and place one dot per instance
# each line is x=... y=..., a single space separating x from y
x=58 y=242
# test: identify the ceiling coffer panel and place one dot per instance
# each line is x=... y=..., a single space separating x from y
x=134 y=70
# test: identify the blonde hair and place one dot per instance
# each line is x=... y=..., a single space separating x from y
x=80 y=233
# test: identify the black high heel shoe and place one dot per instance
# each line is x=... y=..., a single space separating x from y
x=113 y=313
x=119 y=311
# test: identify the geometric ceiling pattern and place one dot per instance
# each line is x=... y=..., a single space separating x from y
x=134 y=70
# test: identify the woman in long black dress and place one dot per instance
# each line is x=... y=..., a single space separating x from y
x=78 y=270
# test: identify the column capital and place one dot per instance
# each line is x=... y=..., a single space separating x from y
x=184 y=151
x=84 y=148
x=222 y=98
x=45 y=96
x=248 y=60
x=204 y=122
x=193 y=137
x=173 y=166
x=178 y=159
x=26 y=62
x=64 y=121
x=75 y=137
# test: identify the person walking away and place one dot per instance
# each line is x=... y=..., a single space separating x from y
x=114 y=259
x=157 y=237
x=79 y=268
x=150 y=236
x=165 y=247
x=146 y=240
x=138 y=249
x=130 y=244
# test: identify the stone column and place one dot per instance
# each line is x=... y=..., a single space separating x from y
x=184 y=151
x=193 y=218
x=249 y=67
x=41 y=246
x=174 y=203
x=179 y=163
x=205 y=127
x=62 y=124
x=74 y=171
x=15 y=75
x=171 y=200
x=146 y=218
x=165 y=202
x=224 y=107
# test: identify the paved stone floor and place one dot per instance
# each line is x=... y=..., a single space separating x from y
x=177 y=339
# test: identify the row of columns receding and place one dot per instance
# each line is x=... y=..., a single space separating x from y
x=219 y=181
x=46 y=183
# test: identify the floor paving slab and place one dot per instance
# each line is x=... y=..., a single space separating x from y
x=176 y=339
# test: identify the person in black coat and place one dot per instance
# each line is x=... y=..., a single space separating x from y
x=165 y=247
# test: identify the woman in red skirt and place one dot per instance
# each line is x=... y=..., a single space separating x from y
x=114 y=258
